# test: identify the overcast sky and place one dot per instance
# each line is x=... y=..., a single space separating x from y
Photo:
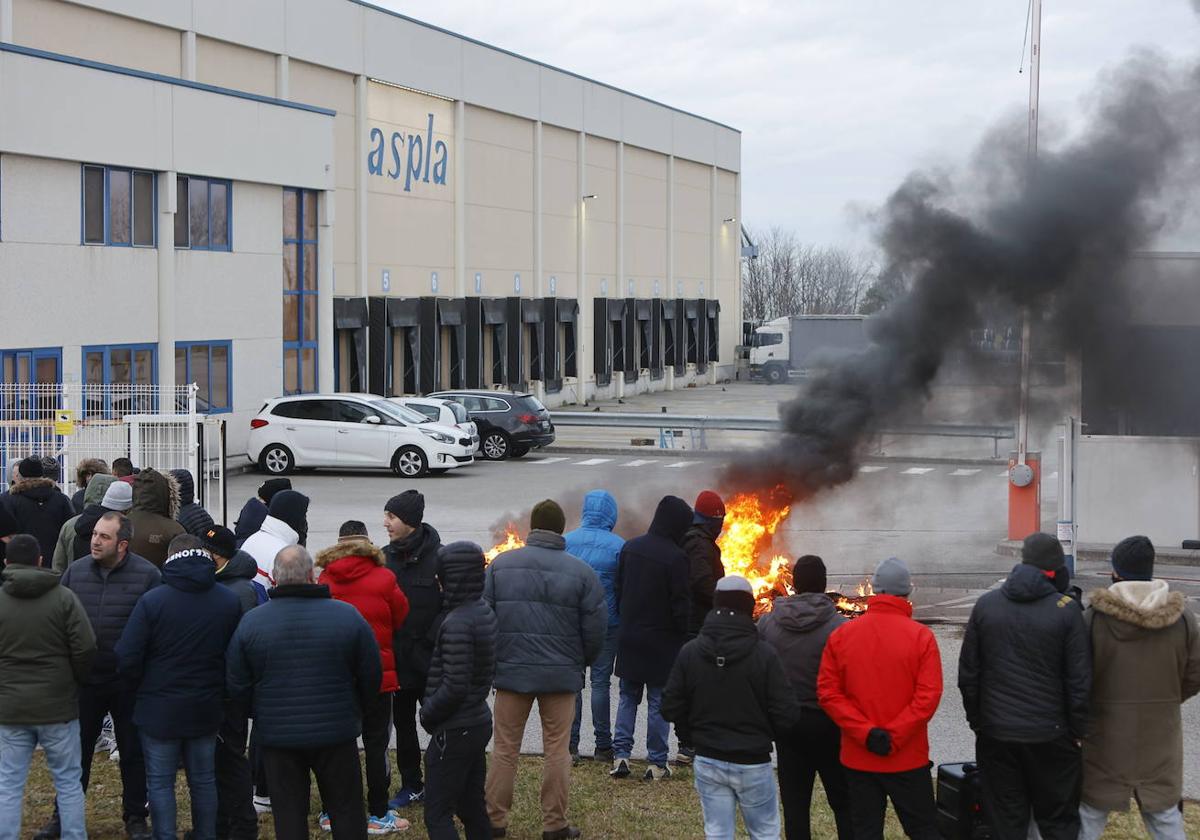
x=836 y=99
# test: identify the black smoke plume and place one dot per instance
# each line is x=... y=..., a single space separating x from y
x=1056 y=237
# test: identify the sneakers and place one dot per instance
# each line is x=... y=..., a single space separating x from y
x=604 y=755
x=565 y=833
x=387 y=824
x=620 y=768
x=685 y=757
x=657 y=773
x=405 y=797
x=136 y=829
x=262 y=804
x=52 y=830
x=324 y=822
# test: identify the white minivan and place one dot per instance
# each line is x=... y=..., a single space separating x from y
x=355 y=431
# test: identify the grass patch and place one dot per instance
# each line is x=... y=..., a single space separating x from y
x=600 y=806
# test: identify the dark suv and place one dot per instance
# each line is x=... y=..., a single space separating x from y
x=510 y=423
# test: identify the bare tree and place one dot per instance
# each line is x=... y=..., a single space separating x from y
x=789 y=278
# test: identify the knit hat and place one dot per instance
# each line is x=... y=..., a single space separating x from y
x=1043 y=551
x=30 y=467
x=408 y=507
x=548 y=516
x=808 y=574
x=291 y=507
x=118 y=496
x=892 y=578
x=271 y=486
x=220 y=541
x=709 y=504
x=735 y=593
x=1133 y=558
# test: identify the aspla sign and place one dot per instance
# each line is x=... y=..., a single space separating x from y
x=417 y=157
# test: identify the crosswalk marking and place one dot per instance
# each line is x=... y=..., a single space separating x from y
x=1002 y=475
x=679 y=465
x=917 y=471
x=638 y=463
x=547 y=460
x=871 y=468
x=591 y=462
x=964 y=472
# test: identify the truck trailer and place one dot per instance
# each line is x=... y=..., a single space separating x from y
x=796 y=345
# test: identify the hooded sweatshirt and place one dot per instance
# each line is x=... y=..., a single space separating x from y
x=797 y=627
x=238 y=576
x=46 y=646
x=155 y=506
x=727 y=694
x=704 y=557
x=39 y=509
x=594 y=543
x=66 y=550
x=194 y=519
x=287 y=524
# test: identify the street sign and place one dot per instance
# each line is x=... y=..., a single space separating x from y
x=64 y=422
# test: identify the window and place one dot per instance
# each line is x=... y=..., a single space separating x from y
x=299 y=291
x=210 y=365
x=305 y=409
x=32 y=377
x=118 y=206
x=428 y=410
x=120 y=379
x=202 y=213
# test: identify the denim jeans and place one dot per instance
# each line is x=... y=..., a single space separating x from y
x=601 y=686
x=657 y=729
x=60 y=742
x=199 y=764
x=1161 y=825
x=724 y=786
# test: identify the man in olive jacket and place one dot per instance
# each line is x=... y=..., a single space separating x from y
x=46 y=645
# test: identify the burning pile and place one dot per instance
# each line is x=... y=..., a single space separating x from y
x=512 y=539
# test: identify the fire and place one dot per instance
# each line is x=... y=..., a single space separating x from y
x=751 y=520
x=856 y=604
x=512 y=539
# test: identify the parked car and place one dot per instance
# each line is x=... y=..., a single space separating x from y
x=445 y=412
x=353 y=430
x=510 y=422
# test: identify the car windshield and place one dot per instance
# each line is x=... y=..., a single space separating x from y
x=400 y=412
x=532 y=403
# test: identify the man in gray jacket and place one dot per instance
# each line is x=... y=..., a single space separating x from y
x=552 y=616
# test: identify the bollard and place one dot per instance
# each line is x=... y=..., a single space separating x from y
x=1024 y=495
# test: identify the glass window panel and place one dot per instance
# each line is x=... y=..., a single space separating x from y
x=291 y=275
x=9 y=368
x=143 y=367
x=181 y=376
x=23 y=369
x=198 y=357
x=310 y=268
x=47 y=370
x=94 y=374
x=182 y=240
x=219 y=196
x=198 y=213
x=291 y=317
x=308 y=369
x=290 y=370
x=310 y=215
x=120 y=367
x=310 y=317
x=93 y=204
x=120 y=207
x=143 y=208
x=290 y=211
x=220 y=376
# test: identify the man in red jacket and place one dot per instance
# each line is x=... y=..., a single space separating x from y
x=880 y=682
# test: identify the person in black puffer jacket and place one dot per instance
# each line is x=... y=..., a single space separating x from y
x=704 y=557
x=1025 y=675
x=728 y=695
x=38 y=507
x=194 y=519
x=412 y=556
x=455 y=711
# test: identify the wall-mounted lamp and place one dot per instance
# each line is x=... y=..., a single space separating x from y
x=590 y=195
x=730 y=219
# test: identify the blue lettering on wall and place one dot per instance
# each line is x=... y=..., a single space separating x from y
x=420 y=158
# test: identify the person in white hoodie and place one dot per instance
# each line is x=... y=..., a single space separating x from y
x=1146 y=663
x=286 y=524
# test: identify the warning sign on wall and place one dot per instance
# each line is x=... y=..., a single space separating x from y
x=64 y=422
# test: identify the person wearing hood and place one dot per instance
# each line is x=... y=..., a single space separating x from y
x=881 y=682
x=46 y=645
x=286 y=524
x=93 y=497
x=194 y=518
x=37 y=506
x=1146 y=662
x=455 y=711
x=236 y=570
x=551 y=615
x=155 y=506
x=653 y=601
x=1025 y=676
x=85 y=470
x=256 y=508
x=594 y=543
x=798 y=627
x=355 y=572
x=727 y=694
x=173 y=651
x=412 y=556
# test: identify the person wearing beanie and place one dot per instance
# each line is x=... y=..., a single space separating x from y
x=728 y=695
x=192 y=516
x=251 y=517
x=1145 y=646
x=797 y=627
x=455 y=711
x=412 y=557
x=704 y=556
x=654 y=603
x=155 y=506
x=880 y=681
x=1025 y=676
x=36 y=506
x=286 y=524
x=594 y=543
x=71 y=546
x=552 y=617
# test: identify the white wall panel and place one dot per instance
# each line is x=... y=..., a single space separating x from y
x=405 y=53
x=258 y=24
x=601 y=111
x=501 y=81
x=329 y=33
x=562 y=99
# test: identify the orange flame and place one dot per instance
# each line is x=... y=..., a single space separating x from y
x=512 y=539
x=853 y=605
x=751 y=520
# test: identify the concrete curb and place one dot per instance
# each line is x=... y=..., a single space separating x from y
x=1099 y=553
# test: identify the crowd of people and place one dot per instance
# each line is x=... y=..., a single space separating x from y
x=255 y=666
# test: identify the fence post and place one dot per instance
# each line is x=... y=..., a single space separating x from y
x=193 y=446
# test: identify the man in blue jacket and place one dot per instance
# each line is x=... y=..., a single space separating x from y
x=309 y=664
x=594 y=543
x=173 y=650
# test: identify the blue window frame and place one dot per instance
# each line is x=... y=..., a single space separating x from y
x=203 y=214
x=119 y=207
x=120 y=379
x=31 y=370
x=210 y=365
x=299 y=291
